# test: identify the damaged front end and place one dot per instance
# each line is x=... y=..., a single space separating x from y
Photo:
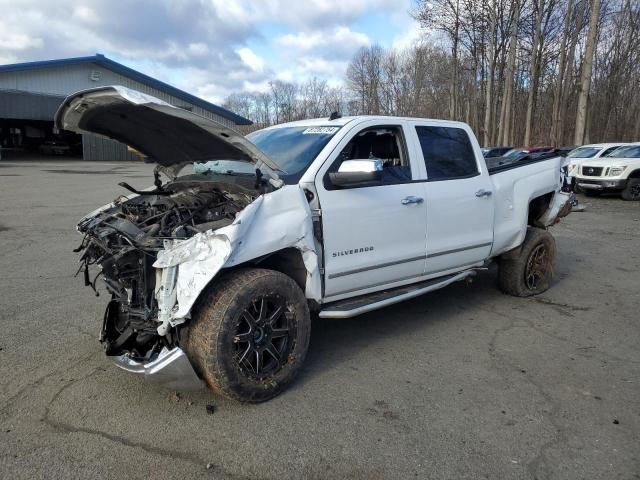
x=124 y=241
x=157 y=250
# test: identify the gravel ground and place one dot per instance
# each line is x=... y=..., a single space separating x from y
x=461 y=383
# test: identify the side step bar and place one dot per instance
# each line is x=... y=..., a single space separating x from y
x=366 y=303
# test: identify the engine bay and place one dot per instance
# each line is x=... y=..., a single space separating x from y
x=123 y=240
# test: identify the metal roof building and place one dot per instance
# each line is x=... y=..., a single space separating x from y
x=30 y=94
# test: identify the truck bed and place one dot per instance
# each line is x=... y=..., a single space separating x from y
x=500 y=164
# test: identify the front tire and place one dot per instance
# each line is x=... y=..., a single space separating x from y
x=529 y=273
x=632 y=191
x=249 y=334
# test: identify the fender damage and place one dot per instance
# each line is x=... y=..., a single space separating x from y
x=274 y=221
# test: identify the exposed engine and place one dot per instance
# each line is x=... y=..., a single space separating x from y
x=123 y=241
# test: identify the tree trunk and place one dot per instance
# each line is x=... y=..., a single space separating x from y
x=587 y=139
x=490 y=72
x=567 y=81
x=585 y=77
x=507 y=97
x=534 y=72
x=562 y=65
x=453 y=88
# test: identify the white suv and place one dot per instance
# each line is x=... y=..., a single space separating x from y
x=619 y=171
x=588 y=152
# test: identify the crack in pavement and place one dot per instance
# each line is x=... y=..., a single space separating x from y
x=500 y=359
x=592 y=352
x=65 y=428
x=574 y=308
x=39 y=381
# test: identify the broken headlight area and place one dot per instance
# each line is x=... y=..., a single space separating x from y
x=123 y=242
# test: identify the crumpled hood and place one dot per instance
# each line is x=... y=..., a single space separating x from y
x=167 y=135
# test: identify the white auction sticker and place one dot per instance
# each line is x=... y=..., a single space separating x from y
x=323 y=130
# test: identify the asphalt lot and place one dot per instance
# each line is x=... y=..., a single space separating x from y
x=464 y=383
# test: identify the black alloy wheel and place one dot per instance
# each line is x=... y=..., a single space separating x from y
x=264 y=337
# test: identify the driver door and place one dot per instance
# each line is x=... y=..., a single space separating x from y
x=374 y=235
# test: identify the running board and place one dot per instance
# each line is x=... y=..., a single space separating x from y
x=373 y=301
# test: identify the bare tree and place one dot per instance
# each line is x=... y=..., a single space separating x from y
x=534 y=70
x=524 y=69
x=585 y=78
x=445 y=16
x=364 y=78
x=562 y=67
x=490 y=73
x=507 y=99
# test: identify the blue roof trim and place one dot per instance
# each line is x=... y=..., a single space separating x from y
x=107 y=63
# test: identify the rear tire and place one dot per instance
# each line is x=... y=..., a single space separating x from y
x=249 y=334
x=632 y=191
x=529 y=273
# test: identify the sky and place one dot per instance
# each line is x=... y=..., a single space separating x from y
x=209 y=48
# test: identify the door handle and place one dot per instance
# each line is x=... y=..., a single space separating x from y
x=411 y=199
x=483 y=193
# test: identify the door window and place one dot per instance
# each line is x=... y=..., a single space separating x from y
x=383 y=143
x=447 y=152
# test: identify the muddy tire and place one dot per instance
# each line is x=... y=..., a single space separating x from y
x=531 y=271
x=249 y=334
x=632 y=191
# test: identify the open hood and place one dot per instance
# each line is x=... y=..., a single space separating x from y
x=167 y=135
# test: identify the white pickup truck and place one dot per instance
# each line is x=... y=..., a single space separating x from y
x=213 y=276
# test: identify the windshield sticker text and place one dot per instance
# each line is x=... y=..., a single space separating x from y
x=321 y=130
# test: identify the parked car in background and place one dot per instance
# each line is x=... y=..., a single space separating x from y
x=564 y=151
x=491 y=152
x=527 y=150
x=619 y=171
x=595 y=150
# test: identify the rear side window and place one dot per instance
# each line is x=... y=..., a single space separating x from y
x=447 y=152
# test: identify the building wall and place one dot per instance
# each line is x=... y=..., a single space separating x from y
x=32 y=106
x=97 y=148
x=64 y=80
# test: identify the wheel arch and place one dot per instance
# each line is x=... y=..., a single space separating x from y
x=288 y=261
x=537 y=207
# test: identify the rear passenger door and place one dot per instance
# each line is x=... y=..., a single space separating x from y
x=458 y=197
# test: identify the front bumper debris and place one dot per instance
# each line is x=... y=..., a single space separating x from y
x=171 y=368
x=601 y=185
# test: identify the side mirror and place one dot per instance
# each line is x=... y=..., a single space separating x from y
x=357 y=173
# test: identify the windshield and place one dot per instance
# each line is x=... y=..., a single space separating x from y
x=626 y=152
x=292 y=148
x=584 y=152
